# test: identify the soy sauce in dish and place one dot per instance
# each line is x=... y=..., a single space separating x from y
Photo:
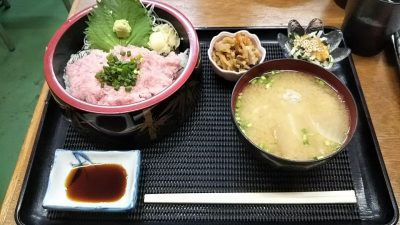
x=96 y=183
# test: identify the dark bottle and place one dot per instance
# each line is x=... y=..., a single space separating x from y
x=341 y=3
x=368 y=25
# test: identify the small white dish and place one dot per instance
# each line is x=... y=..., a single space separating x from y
x=66 y=160
x=228 y=74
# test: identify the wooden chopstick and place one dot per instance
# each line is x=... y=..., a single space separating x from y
x=324 y=197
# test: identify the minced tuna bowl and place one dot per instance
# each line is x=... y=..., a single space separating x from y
x=156 y=72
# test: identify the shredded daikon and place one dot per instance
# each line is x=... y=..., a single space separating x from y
x=164 y=39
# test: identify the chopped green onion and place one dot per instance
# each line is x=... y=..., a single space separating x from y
x=274 y=72
x=128 y=88
x=118 y=73
x=318 y=157
x=305 y=136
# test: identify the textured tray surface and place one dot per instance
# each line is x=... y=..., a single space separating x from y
x=206 y=155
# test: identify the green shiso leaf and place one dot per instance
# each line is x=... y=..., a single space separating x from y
x=101 y=21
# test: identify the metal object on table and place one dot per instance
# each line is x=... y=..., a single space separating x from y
x=5 y=4
x=68 y=4
x=3 y=34
x=396 y=48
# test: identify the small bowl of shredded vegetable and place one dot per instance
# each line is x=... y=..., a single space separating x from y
x=312 y=44
x=233 y=54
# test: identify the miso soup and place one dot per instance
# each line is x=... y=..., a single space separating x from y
x=293 y=115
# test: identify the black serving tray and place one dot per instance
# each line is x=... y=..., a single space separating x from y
x=205 y=155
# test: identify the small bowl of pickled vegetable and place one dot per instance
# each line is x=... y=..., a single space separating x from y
x=312 y=44
x=233 y=54
x=293 y=114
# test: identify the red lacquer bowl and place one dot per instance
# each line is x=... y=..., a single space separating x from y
x=135 y=123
